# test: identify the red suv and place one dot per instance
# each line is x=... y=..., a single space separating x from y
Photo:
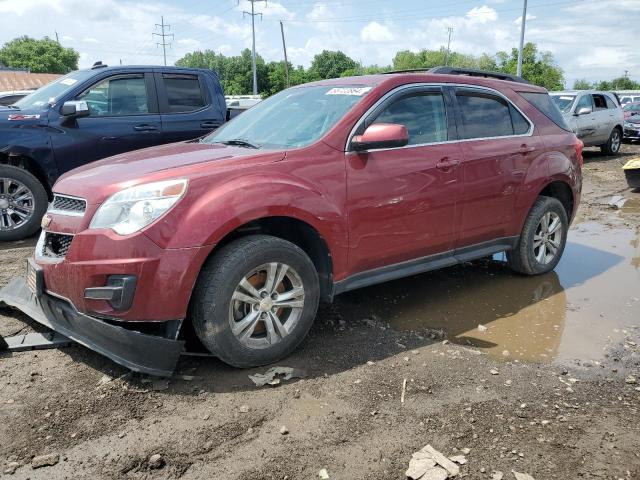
x=322 y=188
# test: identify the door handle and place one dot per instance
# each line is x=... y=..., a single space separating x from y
x=145 y=128
x=446 y=164
x=524 y=148
x=208 y=124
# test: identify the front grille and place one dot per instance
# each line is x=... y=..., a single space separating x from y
x=56 y=245
x=68 y=205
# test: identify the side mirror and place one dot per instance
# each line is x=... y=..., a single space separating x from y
x=381 y=135
x=75 y=108
x=583 y=111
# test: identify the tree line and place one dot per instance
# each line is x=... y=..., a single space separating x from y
x=538 y=67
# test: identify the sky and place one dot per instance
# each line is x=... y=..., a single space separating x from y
x=590 y=39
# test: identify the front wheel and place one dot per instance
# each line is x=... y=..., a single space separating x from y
x=612 y=147
x=255 y=300
x=23 y=202
x=542 y=240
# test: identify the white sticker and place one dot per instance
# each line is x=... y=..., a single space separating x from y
x=68 y=81
x=356 y=91
x=567 y=98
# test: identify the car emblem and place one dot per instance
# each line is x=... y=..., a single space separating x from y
x=46 y=221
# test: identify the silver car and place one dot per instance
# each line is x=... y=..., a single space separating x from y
x=595 y=117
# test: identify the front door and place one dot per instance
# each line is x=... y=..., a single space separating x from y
x=402 y=201
x=123 y=116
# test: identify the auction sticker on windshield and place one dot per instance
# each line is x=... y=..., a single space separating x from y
x=356 y=91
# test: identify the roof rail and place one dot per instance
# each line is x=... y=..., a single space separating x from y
x=471 y=72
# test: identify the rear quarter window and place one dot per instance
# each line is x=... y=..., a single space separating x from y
x=542 y=101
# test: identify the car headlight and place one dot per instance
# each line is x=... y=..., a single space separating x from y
x=130 y=210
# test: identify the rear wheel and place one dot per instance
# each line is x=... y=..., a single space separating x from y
x=255 y=300
x=542 y=239
x=23 y=202
x=612 y=147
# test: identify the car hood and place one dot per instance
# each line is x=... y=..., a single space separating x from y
x=99 y=180
x=635 y=120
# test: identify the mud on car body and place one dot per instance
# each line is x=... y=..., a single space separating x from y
x=320 y=189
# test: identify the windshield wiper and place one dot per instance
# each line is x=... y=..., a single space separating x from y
x=240 y=143
x=15 y=107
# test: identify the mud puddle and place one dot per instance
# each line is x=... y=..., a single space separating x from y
x=590 y=302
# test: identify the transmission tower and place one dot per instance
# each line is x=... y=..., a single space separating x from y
x=163 y=28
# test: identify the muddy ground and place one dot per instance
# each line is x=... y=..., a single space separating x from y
x=533 y=375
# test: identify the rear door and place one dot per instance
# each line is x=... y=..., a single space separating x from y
x=604 y=117
x=587 y=124
x=187 y=107
x=123 y=116
x=498 y=146
x=402 y=201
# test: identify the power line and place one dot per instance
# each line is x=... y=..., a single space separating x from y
x=164 y=35
x=253 y=15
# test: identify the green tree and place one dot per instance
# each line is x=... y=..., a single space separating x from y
x=425 y=59
x=330 y=64
x=581 y=84
x=38 y=56
x=539 y=68
x=620 y=83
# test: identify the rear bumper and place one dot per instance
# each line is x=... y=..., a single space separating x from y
x=140 y=352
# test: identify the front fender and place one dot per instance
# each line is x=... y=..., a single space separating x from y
x=32 y=141
x=217 y=210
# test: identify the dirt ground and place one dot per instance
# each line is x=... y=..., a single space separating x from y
x=538 y=376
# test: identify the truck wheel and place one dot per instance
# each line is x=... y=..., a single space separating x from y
x=542 y=239
x=613 y=144
x=255 y=300
x=23 y=202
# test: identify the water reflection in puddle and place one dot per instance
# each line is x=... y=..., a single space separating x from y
x=572 y=313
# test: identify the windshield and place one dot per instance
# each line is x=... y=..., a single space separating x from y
x=290 y=119
x=52 y=91
x=632 y=107
x=563 y=102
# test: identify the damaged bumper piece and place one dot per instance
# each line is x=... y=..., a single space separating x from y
x=140 y=352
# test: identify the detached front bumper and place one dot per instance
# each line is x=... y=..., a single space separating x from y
x=140 y=352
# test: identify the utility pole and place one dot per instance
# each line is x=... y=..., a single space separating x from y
x=522 y=26
x=446 y=59
x=57 y=40
x=164 y=35
x=253 y=50
x=286 y=61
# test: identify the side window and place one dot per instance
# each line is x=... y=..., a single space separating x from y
x=484 y=115
x=610 y=103
x=184 y=93
x=584 y=102
x=599 y=102
x=423 y=114
x=117 y=96
x=520 y=124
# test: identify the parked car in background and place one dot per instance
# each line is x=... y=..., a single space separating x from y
x=595 y=117
x=631 y=109
x=236 y=104
x=9 y=98
x=631 y=128
x=91 y=114
x=624 y=99
x=317 y=190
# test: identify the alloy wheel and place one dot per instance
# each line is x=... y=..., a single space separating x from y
x=266 y=305
x=548 y=238
x=615 y=141
x=16 y=204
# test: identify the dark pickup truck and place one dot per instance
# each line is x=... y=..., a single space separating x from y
x=91 y=114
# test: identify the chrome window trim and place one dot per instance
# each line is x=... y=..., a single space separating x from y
x=436 y=87
x=67 y=213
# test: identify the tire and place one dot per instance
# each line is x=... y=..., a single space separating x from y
x=612 y=147
x=525 y=258
x=214 y=308
x=18 y=182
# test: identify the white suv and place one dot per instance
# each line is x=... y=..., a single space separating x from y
x=595 y=117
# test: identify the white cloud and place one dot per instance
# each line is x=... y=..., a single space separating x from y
x=482 y=14
x=518 y=20
x=374 y=32
x=90 y=40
